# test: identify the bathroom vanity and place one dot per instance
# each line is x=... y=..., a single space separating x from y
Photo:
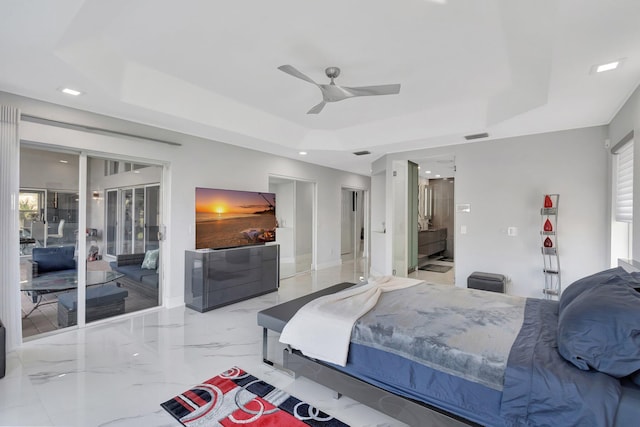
x=432 y=241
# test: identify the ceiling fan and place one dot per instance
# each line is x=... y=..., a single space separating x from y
x=332 y=92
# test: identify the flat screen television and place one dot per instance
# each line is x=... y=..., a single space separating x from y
x=230 y=218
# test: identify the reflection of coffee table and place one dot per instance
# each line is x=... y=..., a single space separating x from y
x=59 y=281
x=24 y=244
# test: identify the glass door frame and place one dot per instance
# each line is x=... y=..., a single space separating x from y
x=119 y=246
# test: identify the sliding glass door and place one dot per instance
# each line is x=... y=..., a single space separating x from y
x=48 y=206
x=110 y=266
x=126 y=205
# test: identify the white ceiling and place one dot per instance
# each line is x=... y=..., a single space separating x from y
x=209 y=68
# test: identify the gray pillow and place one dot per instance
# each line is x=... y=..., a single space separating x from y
x=597 y=279
x=150 y=261
x=600 y=329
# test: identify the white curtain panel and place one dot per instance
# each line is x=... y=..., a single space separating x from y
x=10 y=310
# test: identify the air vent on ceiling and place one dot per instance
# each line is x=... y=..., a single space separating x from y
x=476 y=136
x=362 y=153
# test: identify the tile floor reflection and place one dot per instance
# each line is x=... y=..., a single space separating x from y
x=117 y=373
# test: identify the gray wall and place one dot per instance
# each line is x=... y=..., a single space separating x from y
x=504 y=181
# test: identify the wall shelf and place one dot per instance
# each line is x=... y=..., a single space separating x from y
x=549 y=248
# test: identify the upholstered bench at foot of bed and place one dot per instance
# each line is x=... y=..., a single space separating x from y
x=276 y=317
x=102 y=301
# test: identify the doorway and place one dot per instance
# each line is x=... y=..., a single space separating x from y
x=436 y=214
x=295 y=214
x=353 y=234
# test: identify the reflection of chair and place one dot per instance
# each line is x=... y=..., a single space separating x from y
x=37 y=232
x=60 y=233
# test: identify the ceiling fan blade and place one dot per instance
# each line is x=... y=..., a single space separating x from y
x=316 y=109
x=373 y=90
x=295 y=73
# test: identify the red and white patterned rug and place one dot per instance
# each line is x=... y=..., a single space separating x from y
x=236 y=397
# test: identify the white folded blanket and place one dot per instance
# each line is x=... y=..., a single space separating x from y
x=322 y=328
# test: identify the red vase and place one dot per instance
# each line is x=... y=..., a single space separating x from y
x=547 y=225
x=548 y=203
x=548 y=243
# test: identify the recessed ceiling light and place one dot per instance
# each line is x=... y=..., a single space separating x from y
x=437 y=176
x=64 y=161
x=427 y=172
x=303 y=153
x=70 y=91
x=607 y=67
x=601 y=68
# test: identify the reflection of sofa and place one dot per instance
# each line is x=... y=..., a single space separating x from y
x=57 y=258
x=51 y=260
x=142 y=279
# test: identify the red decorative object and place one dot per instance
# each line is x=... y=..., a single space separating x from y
x=547 y=225
x=548 y=243
x=548 y=203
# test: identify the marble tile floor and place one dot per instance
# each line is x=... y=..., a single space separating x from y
x=117 y=372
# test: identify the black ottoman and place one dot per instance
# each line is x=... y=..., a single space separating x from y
x=487 y=282
x=102 y=301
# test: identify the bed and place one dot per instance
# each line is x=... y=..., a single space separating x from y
x=467 y=357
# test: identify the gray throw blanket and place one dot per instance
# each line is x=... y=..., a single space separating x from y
x=466 y=333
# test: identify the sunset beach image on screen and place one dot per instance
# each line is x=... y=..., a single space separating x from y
x=231 y=218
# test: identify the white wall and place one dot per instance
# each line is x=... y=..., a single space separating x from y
x=197 y=163
x=505 y=182
x=286 y=219
x=304 y=218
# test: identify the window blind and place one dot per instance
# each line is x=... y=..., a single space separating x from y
x=624 y=183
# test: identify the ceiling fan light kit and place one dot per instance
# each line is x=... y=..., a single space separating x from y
x=332 y=92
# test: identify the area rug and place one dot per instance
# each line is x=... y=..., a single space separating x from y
x=435 y=267
x=236 y=397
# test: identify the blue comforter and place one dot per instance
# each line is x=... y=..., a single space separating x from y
x=476 y=340
x=543 y=389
